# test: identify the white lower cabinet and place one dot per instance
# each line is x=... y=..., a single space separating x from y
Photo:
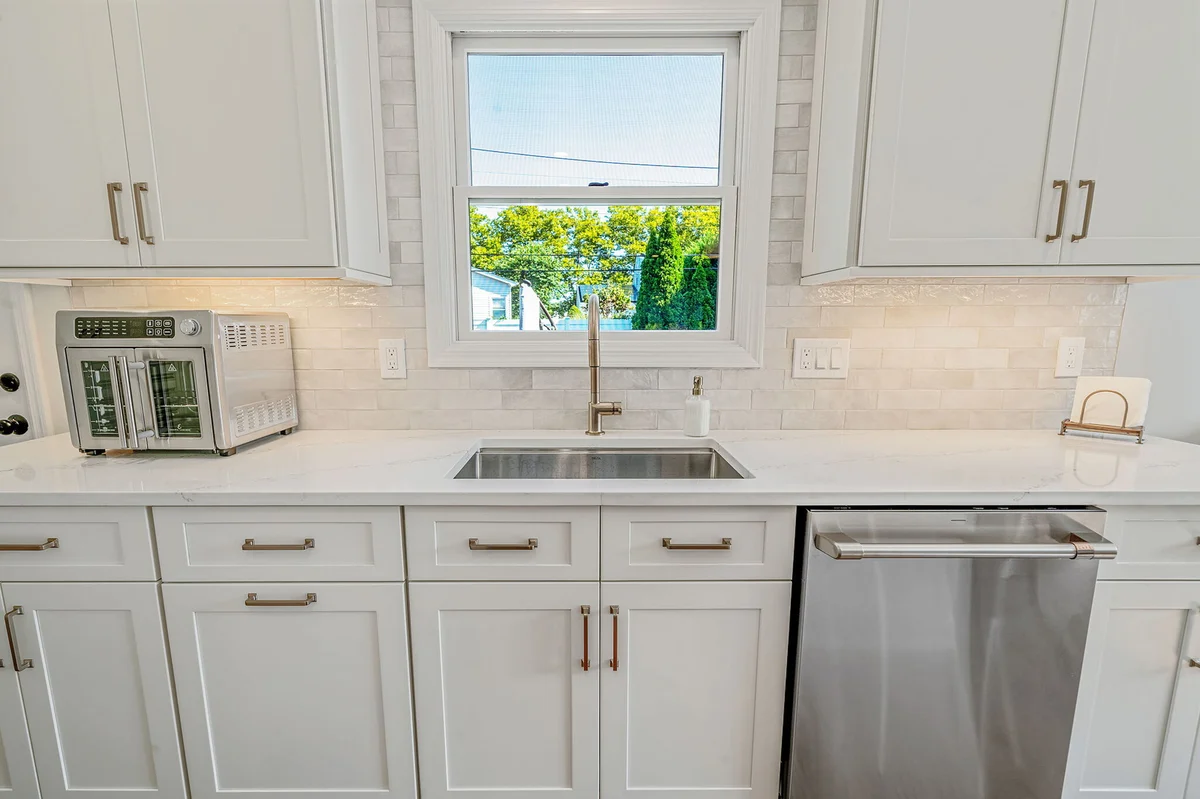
x=304 y=699
x=505 y=707
x=694 y=701
x=96 y=693
x=18 y=780
x=1139 y=697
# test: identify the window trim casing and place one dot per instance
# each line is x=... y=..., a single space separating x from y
x=757 y=22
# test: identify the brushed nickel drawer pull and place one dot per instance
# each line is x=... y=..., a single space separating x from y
x=586 y=612
x=726 y=544
x=1195 y=664
x=615 y=610
x=138 y=190
x=51 y=543
x=19 y=664
x=1090 y=185
x=113 y=188
x=474 y=544
x=1061 y=185
x=252 y=601
x=250 y=546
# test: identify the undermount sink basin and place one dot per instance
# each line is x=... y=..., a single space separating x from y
x=588 y=463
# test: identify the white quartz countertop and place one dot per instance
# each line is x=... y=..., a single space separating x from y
x=790 y=468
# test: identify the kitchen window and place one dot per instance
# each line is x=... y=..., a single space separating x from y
x=629 y=164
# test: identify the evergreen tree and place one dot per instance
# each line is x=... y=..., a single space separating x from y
x=697 y=309
x=649 y=287
x=662 y=277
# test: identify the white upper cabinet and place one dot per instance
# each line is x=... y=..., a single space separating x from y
x=1139 y=136
x=61 y=139
x=965 y=138
x=245 y=139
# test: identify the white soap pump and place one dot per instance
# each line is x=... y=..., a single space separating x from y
x=696 y=410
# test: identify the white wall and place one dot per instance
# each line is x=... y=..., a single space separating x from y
x=1160 y=340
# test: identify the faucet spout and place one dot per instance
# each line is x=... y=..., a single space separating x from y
x=596 y=409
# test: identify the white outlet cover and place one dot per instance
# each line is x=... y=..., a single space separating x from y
x=1070 y=357
x=392 y=366
x=820 y=358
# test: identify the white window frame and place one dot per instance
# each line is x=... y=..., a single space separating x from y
x=443 y=29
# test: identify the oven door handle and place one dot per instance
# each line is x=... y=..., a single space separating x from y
x=1079 y=545
x=122 y=399
x=133 y=433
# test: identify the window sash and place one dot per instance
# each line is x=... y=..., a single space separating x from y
x=726 y=197
x=727 y=46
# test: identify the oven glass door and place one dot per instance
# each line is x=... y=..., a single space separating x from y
x=174 y=384
x=104 y=397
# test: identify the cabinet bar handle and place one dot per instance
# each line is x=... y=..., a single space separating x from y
x=138 y=190
x=18 y=663
x=726 y=543
x=1195 y=664
x=1090 y=185
x=51 y=543
x=474 y=544
x=113 y=188
x=250 y=546
x=252 y=601
x=1061 y=185
x=615 y=610
x=586 y=611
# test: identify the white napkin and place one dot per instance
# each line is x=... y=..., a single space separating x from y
x=1108 y=408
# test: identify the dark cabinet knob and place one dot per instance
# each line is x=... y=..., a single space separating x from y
x=9 y=381
x=14 y=425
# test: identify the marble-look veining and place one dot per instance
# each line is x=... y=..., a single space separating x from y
x=808 y=468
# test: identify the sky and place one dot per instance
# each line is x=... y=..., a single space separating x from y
x=549 y=120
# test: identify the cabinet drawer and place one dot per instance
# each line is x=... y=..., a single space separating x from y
x=280 y=544
x=68 y=544
x=1155 y=543
x=697 y=543
x=509 y=543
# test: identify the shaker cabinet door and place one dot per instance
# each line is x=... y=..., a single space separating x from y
x=693 y=704
x=225 y=118
x=97 y=690
x=968 y=134
x=307 y=698
x=504 y=706
x=1138 y=134
x=62 y=141
x=1139 y=699
x=18 y=780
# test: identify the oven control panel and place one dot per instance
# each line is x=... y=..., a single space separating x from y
x=124 y=327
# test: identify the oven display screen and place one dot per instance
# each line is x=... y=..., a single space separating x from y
x=124 y=327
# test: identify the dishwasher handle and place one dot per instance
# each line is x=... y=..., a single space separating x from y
x=1080 y=545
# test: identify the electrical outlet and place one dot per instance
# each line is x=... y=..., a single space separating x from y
x=1070 y=357
x=820 y=358
x=391 y=359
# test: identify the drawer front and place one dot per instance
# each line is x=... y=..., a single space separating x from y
x=508 y=543
x=741 y=543
x=1153 y=543
x=343 y=544
x=76 y=544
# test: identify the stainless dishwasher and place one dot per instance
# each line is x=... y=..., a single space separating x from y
x=939 y=652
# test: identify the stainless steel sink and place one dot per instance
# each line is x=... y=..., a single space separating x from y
x=625 y=463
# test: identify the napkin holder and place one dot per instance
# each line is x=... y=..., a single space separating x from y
x=1095 y=427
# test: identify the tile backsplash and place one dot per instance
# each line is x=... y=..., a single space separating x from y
x=961 y=353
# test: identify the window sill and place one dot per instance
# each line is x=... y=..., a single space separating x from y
x=570 y=350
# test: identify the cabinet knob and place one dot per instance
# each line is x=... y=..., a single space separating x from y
x=10 y=382
x=15 y=425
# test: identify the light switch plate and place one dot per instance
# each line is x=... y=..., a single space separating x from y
x=820 y=358
x=392 y=363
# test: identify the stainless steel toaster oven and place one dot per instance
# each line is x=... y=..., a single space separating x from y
x=175 y=380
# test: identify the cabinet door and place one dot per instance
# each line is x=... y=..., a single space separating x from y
x=98 y=693
x=309 y=700
x=225 y=116
x=18 y=779
x=505 y=709
x=61 y=137
x=1139 y=702
x=694 y=701
x=967 y=134
x=1138 y=128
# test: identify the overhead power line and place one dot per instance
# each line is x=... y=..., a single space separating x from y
x=589 y=160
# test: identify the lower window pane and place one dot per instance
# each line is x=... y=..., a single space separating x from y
x=654 y=267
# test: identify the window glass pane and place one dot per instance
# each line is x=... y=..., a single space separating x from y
x=572 y=120
x=654 y=267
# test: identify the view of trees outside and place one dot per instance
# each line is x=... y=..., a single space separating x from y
x=654 y=265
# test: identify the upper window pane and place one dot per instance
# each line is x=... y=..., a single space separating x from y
x=572 y=120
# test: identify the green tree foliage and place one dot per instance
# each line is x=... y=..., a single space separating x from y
x=696 y=308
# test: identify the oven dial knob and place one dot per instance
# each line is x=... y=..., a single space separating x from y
x=189 y=327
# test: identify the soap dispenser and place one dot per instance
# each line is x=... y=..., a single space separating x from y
x=696 y=410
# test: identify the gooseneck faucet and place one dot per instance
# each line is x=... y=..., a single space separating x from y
x=596 y=408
